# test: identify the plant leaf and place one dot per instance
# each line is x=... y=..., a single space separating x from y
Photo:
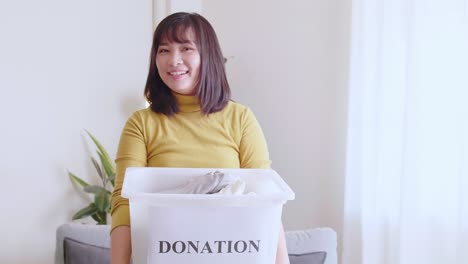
x=100 y=218
x=95 y=189
x=77 y=180
x=112 y=179
x=107 y=165
x=98 y=168
x=102 y=201
x=103 y=216
x=102 y=150
x=88 y=210
x=96 y=217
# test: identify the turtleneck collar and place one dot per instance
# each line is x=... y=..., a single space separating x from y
x=187 y=103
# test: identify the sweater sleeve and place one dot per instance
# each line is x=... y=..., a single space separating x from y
x=131 y=153
x=253 y=150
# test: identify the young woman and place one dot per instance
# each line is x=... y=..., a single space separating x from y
x=191 y=121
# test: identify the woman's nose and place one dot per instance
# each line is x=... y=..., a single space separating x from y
x=175 y=60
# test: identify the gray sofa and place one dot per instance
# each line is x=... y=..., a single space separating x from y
x=86 y=243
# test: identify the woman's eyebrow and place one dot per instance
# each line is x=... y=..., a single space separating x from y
x=191 y=42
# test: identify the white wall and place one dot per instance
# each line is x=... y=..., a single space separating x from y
x=288 y=60
x=65 y=66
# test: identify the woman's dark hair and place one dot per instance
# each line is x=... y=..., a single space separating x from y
x=212 y=89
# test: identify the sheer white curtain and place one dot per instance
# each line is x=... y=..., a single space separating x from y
x=406 y=199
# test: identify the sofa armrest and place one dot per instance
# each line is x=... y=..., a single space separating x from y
x=97 y=235
x=303 y=242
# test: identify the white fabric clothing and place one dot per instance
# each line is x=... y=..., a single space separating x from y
x=211 y=183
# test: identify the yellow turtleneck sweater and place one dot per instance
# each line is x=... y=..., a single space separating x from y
x=231 y=138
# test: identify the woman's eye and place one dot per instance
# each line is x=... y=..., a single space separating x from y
x=187 y=49
x=163 y=51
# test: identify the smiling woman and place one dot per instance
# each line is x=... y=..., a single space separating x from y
x=191 y=121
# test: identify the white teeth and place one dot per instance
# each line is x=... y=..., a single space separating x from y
x=177 y=73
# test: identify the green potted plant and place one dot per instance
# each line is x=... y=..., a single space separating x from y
x=100 y=207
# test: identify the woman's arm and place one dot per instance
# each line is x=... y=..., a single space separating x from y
x=282 y=252
x=253 y=149
x=131 y=153
x=121 y=249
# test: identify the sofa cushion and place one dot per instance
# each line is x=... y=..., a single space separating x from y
x=308 y=258
x=76 y=252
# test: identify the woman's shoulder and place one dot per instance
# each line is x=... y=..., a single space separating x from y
x=146 y=117
x=240 y=108
x=235 y=110
x=140 y=114
x=233 y=106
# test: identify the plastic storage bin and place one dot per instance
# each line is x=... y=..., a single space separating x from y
x=203 y=228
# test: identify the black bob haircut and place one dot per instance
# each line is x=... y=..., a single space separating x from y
x=212 y=88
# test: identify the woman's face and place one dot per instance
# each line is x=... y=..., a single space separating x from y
x=179 y=64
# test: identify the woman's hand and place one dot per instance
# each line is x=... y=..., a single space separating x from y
x=282 y=252
x=121 y=245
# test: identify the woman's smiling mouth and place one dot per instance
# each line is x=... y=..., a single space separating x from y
x=177 y=73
